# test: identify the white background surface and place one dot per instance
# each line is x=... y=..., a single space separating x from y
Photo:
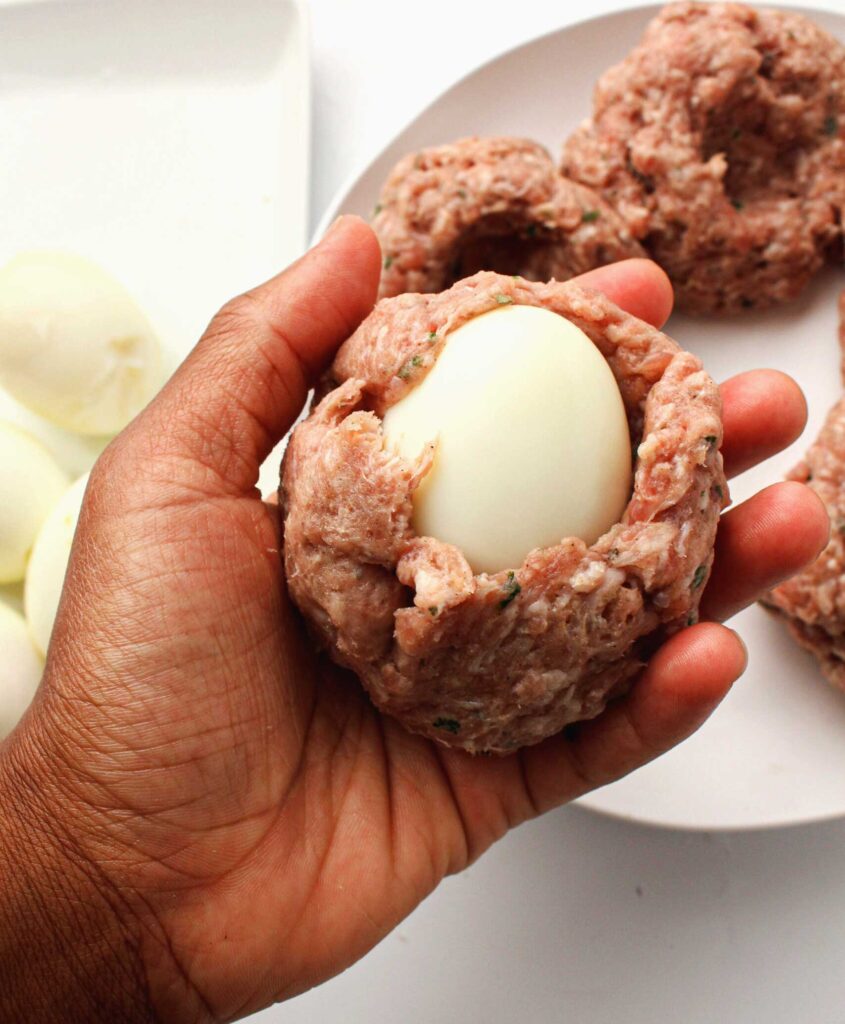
x=574 y=918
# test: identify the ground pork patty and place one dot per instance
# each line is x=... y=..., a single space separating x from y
x=490 y=204
x=813 y=602
x=721 y=141
x=494 y=662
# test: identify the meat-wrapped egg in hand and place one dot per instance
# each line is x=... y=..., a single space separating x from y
x=462 y=525
x=31 y=483
x=74 y=346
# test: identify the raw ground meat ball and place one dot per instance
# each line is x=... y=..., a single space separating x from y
x=813 y=602
x=493 y=662
x=490 y=204
x=721 y=142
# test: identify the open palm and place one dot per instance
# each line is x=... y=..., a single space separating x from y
x=252 y=822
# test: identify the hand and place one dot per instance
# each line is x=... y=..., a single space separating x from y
x=201 y=816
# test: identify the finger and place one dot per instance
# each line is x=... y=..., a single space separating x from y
x=680 y=688
x=763 y=411
x=761 y=542
x=245 y=382
x=639 y=286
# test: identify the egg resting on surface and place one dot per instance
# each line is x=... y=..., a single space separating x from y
x=21 y=668
x=74 y=346
x=491 y=662
x=45 y=574
x=527 y=386
x=31 y=482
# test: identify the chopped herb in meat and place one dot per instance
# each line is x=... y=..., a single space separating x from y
x=511 y=589
x=405 y=369
x=432 y=336
x=449 y=724
x=503 y=300
x=588 y=216
x=710 y=440
x=387 y=262
x=737 y=204
x=831 y=126
x=698 y=576
x=377 y=209
x=462 y=194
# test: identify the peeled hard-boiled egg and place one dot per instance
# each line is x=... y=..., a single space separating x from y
x=532 y=442
x=45 y=574
x=74 y=346
x=31 y=483
x=20 y=668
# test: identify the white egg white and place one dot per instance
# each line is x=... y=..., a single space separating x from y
x=48 y=563
x=74 y=346
x=532 y=441
x=31 y=482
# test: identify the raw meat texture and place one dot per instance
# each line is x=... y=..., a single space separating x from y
x=720 y=140
x=494 y=662
x=490 y=204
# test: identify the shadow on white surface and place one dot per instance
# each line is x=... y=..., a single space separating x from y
x=585 y=920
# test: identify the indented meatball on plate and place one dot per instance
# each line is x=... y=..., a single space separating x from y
x=490 y=204
x=813 y=603
x=720 y=140
x=490 y=659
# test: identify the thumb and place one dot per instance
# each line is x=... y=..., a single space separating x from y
x=245 y=382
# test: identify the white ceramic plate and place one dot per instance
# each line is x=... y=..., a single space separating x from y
x=774 y=753
x=167 y=141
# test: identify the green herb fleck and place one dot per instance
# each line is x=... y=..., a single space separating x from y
x=710 y=440
x=449 y=724
x=432 y=336
x=388 y=260
x=433 y=610
x=719 y=492
x=692 y=618
x=462 y=194
x=588 y=216
x=511 y=589
x=698 y=576
x=503 y=300
x=831 y=125
x=377 y=209
x=405 y=369
x=737 y=204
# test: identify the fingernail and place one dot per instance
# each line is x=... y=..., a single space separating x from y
x=335 y=224
x=744 y=647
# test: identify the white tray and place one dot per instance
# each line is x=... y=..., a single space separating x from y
x=168 y=141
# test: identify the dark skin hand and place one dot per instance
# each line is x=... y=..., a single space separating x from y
x=200 y=815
